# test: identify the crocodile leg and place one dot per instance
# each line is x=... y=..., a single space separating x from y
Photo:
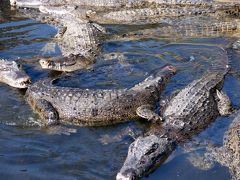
x=146 y=112
x=48 y=113
x=223 y=103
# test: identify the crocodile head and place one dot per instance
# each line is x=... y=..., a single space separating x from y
x=67 y=64
x=12 y=74
x=143 y=155
x=157 y=80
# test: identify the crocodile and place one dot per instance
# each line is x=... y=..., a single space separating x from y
x=11 y=73
x=186 y=114
x=109 y=4
x=72 y=60
x=227 y=155
x=143 y=15
x=119 y=3
x=129 y=11
x=215 y=23
x=66 y=64
x=190 y=27
x=96 y=107
x=79 y=41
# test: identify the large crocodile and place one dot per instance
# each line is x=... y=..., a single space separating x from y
x=89 y=3
x=88 y=106
x=186 y=114
x=191 y=27
x=147 y=13
x=11 y=73
x=118 y=3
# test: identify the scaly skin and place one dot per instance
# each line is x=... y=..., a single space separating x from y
x=118 y=3
x=90 y=3
x=190 y=111
x=94 y=107
x=191 y=27
x=147 y=15
x=11 y=73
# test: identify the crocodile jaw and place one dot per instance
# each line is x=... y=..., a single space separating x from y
x=12 y=74
x=143 y=154
x=18 y=81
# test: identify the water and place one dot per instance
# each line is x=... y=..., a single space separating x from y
x=72 y=152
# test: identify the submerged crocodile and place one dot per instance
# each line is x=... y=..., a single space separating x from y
x=11 y=73
x=228 y=155
x=90 y=107
x=186 y=114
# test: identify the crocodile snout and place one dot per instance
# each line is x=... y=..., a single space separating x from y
x=126 y=176
x=45 y=63
x=13 y=2
x=171 y=68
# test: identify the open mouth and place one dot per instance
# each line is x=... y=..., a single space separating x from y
x=25 y=83
x=46 y=63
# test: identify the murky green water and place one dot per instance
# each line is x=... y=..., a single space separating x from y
x=29 y=152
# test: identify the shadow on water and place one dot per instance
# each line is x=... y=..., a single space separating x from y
x=29 y=152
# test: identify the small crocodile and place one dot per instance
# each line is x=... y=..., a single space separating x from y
x=86 y=106
x=11 y=73
x=186 y=114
